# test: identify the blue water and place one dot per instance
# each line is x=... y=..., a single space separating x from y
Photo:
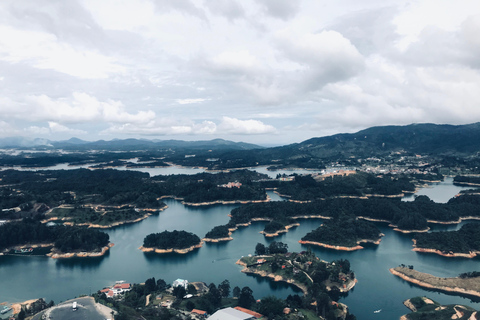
x=23 y=278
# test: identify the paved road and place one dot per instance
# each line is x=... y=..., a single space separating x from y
x=87 y=309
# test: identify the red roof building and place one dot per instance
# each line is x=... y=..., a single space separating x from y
x=250 y=312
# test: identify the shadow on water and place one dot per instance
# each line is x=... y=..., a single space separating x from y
x=171 y=257
x=275 y=285
x=87 y=263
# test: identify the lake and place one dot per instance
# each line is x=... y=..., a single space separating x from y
x=23 y=277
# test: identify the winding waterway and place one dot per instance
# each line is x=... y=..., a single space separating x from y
x=23 y=277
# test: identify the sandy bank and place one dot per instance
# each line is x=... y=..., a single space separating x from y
x=277 y=233
x=467 y=286
x=182 y=251
x=218 y=239
x=57 y=255
x=343 y=248
x=17 y=307
x=471 y=254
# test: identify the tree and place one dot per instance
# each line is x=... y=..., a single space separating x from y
x=260 y=249
x=150 y=285
x=246 y=299
x=277 y=247
x=161 y=285
x=190 y=305
x=191 y=289
x=236 y=292
x=271 y=305
x=224 y=288
x=21 y=315
x=179 y=292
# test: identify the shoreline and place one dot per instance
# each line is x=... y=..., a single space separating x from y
x=343 y=248
x=278 y=232
x=169 y=250
x=470 y=255
x=438 y=283
x=82 y=254
x=198 y=204
x=101 y=226
x=272 y=276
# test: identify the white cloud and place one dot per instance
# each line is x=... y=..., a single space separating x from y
x=236 y=126
x=82 y=107
x=45 y=51
x=190 y=101
x=282 y=9
x=58 y=128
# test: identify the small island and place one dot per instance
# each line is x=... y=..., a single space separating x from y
x=425 y=308
x=465 y=284
x=218 y=234
x=303 y=270
x=171 y=241
x=343 y=233
x=462 y=243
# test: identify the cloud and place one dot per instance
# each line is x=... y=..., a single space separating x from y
x=281 y=9
x=44 y=51
x=81 y=107
x=236 y=126
x=190 y=101
x=322 y=57
x=229 y=9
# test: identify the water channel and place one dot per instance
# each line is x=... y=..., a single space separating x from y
x=24 y=277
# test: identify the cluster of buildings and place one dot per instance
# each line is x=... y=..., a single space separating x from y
x=229 y=185
x=120 y=287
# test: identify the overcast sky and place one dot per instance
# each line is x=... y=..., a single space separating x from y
x=264 y=71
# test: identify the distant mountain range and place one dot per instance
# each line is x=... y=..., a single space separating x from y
x=374 y=141
x=124 y=144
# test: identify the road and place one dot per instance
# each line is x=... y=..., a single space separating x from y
x=87 y=309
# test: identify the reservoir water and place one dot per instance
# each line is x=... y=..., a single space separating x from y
x=23 y=277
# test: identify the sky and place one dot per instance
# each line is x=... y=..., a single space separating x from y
x=269 y=72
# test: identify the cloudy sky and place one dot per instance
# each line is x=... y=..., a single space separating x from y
x=263 y=71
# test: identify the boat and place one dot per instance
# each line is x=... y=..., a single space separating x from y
x=5 y=310
x=377 y=311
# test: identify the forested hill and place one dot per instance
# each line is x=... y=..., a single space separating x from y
x=377 y=141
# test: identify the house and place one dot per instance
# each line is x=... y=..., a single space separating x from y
x=250 y=312
x=119 y=288
x=230 y=314
x=180 y=282
x=200 y=312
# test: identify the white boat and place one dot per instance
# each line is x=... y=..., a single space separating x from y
x=377 y=311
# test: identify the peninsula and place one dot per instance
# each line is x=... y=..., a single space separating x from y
x=462 y=243
x=425 y=308
x=343 y=233
x=469 y=286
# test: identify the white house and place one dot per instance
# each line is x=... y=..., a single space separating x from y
x=180 y=282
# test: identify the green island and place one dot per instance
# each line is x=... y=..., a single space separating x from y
x=218 y=233
x=343 y=233
x=171 y=241
x=319 y=280
x=462 y=243
x=467 y=284
x=425 y=308
x=63 y=241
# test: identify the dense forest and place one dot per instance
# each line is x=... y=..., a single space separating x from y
x=357 y=185
x=406 y=215
x=65 y=238
x=218 y=232
x=344 y=230
x=171 y=240
x=103 y=216
x=465 y=240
